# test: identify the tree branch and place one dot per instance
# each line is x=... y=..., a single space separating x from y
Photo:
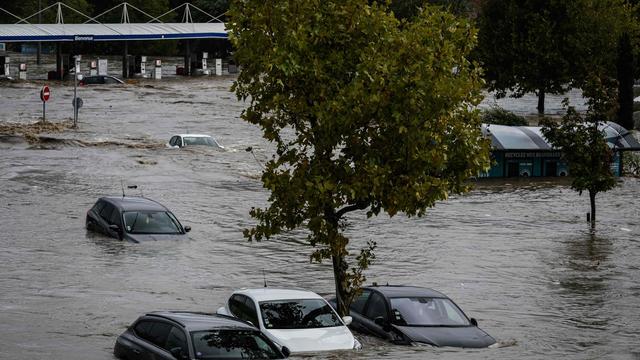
x=360 y=205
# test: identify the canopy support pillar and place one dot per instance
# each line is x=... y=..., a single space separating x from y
x=59 y=62
x=187 y=57
x=125 y=60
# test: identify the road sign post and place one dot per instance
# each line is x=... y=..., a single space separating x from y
x=45 y=93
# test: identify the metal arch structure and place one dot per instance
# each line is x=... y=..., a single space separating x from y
x=94 y=30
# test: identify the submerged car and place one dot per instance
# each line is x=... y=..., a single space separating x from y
x=182 y=140
x=100 y=80
x=408 y=314
x=188 y=335
x=300 y=320
x=136 y=219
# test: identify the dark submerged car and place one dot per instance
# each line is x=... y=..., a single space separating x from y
x=406 y=314
x=135 y=219
x=188 y=335
x=100 y=80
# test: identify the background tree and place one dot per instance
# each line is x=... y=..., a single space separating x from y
x=548 y=46
x=406 y=9
x=625 y=77
x=366 y=113
x=583 y=144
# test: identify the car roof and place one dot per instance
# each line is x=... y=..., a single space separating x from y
x=392 y=291
x=193 y=135
x=266 y=294
x=133 y=203
x=195 y=321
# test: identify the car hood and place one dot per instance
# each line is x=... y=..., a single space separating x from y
x=466 y=336
x=319 y=339
x=154 y=237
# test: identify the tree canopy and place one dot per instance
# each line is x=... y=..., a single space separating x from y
x=367 y=112
x=548 y=46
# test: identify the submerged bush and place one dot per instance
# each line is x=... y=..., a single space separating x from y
x=499 y=116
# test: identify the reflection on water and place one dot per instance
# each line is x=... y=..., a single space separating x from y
x=516 y=255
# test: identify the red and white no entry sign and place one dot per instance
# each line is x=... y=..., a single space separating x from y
x=45 y=93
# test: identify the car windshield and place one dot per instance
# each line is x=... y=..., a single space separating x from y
x=151 y=222
x=424 y=311
x=232 y=344
x=192 y=140
x=298 y=314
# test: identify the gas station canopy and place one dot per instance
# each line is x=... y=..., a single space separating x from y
x=110 y=32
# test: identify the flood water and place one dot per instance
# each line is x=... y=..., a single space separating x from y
x=517 y=256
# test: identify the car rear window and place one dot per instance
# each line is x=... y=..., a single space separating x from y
x=233 y=344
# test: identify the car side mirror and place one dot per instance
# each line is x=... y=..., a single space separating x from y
x=347 y=320
x=178 y=353
x=285 y=351
x=114 y=227
x=187 y=228
x=473 y=322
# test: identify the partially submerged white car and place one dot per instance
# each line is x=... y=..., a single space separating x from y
x=182 y=140
x=300 y=320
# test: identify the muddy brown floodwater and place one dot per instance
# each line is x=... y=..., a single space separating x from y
x=515 y=255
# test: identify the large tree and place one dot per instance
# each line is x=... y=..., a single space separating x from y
x=367 y=113
x=548 y=46
x=582 y=141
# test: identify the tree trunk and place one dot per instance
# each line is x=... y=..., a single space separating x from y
x=540 y=101
x=339 y=277
x=592 y=200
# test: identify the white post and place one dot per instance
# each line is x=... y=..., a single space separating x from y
x=93 y=68
x=205 y=56
x=75 y=90
x=218 y=67
x=157 y=71
x=102 y=66
x=143 y=66
x=22 y=75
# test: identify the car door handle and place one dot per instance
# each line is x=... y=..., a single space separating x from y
x=136 y=351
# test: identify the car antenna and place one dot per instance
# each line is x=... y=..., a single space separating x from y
x=265 y=278
x=122 y=184
x=250 y=149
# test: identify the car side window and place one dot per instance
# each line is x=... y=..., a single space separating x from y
x=106 y=211
x=108 y=80
x=159 y=333
x=176 y=339
x=376 y=307
x=243 y=308
x=98 y=206
x=235 y=304
x=115 y=217
x=252 y=313
x=142 y=329
x=358 y=303
x=173 y=141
